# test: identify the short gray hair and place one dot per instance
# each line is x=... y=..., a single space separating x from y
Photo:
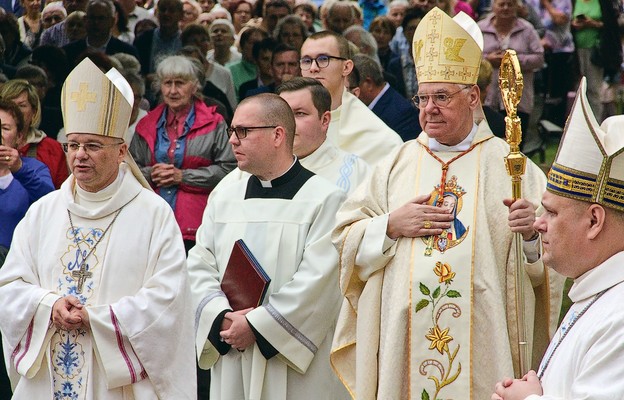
x=178 y=67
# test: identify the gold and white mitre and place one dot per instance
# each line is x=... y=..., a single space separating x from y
x=447 y=49
x=99 y=104
x=589 y=165
x=96 y=103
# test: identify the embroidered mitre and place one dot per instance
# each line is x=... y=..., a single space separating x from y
x=447 y=49
x=96 y=103
x=589 y=165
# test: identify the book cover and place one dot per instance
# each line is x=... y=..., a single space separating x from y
x=244 y=282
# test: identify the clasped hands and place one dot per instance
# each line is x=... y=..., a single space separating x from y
x=416 y=218
x=69 y=313
x=518 y=389
x=235 y=330
x=166 y=175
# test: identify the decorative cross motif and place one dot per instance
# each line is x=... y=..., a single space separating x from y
x=82 y=274
x=429 y=72
x=83 y=96
x=433 y=36
x=447 y=73
x=432 y=54
x=464 y=74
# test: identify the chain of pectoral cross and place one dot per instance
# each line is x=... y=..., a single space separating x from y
x=82 y=274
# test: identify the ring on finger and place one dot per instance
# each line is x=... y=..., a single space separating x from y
x=7 y=158
x=427 y=225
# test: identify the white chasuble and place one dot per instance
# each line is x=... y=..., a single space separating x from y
x=441 y=284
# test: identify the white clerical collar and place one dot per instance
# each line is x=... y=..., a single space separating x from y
x=5 y=181
x=96 y=198
x=268 y=184
x=464 y=145
x=376 y=99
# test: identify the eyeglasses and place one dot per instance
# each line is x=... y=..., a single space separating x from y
x=241 y=131
x=322 y=61
x=439 y=99
x=91 y=147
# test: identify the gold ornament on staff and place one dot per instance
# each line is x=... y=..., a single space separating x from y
x=511 y=82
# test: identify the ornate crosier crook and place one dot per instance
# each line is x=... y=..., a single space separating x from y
x=511 y=82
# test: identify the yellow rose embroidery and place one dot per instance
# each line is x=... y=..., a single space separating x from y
x=444 y=273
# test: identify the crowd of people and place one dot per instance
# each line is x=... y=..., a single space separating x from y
x=356 y=148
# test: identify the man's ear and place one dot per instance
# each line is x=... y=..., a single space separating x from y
x=325 y=120
x=474 y=97
x=347 y=67
x=279 y=136
x=597 y=215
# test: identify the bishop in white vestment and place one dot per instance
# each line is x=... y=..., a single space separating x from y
x=110 y=250
x=581 y=232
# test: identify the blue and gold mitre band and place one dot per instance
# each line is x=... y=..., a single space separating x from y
x=578 y=185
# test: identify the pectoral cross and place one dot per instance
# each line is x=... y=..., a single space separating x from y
x=82 y=274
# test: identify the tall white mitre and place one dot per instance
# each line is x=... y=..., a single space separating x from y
x=589 y=165
x=99 y=104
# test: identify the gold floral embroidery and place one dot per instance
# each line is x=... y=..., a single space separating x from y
x=441 y=372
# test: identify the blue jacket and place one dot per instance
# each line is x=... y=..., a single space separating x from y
x=399 y=114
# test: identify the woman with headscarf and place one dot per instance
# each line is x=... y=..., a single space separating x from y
x=182 y=145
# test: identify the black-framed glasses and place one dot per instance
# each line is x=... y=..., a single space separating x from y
x=91 y=147
x=241 y=131
x=322 y=61
x=439 y=99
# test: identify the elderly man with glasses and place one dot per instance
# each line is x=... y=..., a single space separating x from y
x=427 y=260
x=354 y=128
x=284 y=213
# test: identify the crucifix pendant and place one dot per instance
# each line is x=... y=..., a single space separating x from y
x=81 y=275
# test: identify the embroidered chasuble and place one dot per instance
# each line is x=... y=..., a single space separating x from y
x=434 y=317
x=136 y=297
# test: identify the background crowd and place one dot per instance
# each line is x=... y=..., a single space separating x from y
x=190 y=63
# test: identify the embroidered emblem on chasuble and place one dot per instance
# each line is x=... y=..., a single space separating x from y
x=441 y=284
x=69 y=350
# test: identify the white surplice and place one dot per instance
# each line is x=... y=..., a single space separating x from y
x=356 y=129
x=343 y=169
x=137 y=298
x=291 y=240
x=589 y=363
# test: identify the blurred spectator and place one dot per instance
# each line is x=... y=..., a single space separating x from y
x=503 y=30
x=222 y=37
x=246 y=69
x=598 y=45
x=56 y=35
x=120 y=29
x=182 y=145
x=274 y=11
x=75 y=26
x=291 y=31
x=34 y=142
x=99 y=22
x=52 y=14
x=383 y=31
x=37 y=77
x=241 y=14
x=558 y=44
x=216 y=74
x=372 y=9
x=164 y=40
x=262 y=53
x=340 y=16
x=134 y=13
x=23 y=180
x=11 y=7
x=207 y=5
x=30 y=26
x=138 y=90
x=363 y=39
x=211 y=93
x=403 y=67
x=191 y=10
x=392 y=108
x=396 y=13
x=16 y=53
x=307 y=13
x=144 y=25
x=129 y=63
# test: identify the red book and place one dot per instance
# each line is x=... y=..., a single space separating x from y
x=244 y=282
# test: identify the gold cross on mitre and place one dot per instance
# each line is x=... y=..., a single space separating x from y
x=82 y=96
